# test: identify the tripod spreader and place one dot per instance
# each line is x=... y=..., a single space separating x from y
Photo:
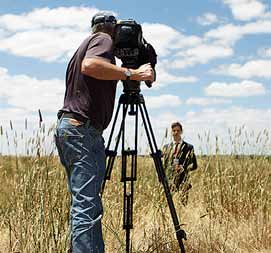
x=135 y=102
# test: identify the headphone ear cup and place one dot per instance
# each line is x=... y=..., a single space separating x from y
x=103 y=17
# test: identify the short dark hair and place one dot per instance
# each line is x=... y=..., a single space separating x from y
x=177 y=124
x=101 y=27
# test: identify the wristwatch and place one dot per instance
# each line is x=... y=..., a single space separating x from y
x=128 y=74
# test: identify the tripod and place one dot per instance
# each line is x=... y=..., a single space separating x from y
x=135 y=102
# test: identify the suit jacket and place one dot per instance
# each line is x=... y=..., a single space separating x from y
x=186 y=156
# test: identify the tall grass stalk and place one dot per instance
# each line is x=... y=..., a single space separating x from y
x=228 y=210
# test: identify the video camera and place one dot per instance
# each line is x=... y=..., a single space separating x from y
x=133 y=50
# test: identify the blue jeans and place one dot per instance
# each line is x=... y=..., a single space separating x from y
x=81 y=152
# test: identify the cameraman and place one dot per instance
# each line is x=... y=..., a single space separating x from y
x=91 y=79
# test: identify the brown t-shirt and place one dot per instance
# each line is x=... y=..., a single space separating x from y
x=91 y=98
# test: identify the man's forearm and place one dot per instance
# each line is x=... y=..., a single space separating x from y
x=101 y=69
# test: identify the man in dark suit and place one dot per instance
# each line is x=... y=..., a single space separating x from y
x=179 y=160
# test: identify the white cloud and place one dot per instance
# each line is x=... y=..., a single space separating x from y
x=182 y=51
x=229 y=34
x=23 y=96
x=54 y=34
x=3 y=33
x=243 y=89
x=246 y=9
x=222 y=119
x=226 y=34
x=233 y=124
x=201 y=54
x=208 y=19
x=227 y=124
x=60 y=30
x=165 y=39
x=164 y=78
x=27 y=93
x=47 y=44
x=265 y=52
x=12 y=114
x=46 y=34
x=206 y=101
x=167 y=100
x=255 y=68
x=73 y=17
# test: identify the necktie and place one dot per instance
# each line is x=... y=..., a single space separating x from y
x=175 y=150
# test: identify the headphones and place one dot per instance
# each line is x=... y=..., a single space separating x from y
x=102 y=17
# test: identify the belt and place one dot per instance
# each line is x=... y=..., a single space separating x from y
x=87 y=122
x=71 y=115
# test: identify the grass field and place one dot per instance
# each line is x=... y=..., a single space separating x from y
x=228 y=210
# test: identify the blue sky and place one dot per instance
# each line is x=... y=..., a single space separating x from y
x=213 y=71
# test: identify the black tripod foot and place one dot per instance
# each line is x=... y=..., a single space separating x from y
x=181 y=234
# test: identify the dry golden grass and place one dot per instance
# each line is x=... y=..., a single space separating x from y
x=228 y=210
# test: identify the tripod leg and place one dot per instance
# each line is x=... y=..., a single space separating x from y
x=156 y=155
x=111 y=154
x=113 y=126
x=128 y=188
x=128 y=178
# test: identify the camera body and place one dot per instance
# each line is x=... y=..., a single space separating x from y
x=132 y=49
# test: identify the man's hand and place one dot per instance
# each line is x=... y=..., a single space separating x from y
x=179 y=168
x=143 y=73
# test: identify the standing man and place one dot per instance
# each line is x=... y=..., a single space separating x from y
x=179 y=160
x=91 y=80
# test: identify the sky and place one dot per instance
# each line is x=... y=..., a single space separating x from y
x=213 y=71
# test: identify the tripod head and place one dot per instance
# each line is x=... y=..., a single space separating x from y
x=131 y=86
x=133 y=50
